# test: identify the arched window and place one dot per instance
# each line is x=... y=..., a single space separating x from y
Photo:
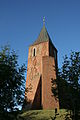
x=34 y=52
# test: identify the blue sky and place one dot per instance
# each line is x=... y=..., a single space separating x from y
x=21 y=22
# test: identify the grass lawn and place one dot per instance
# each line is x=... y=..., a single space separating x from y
x=45 y=115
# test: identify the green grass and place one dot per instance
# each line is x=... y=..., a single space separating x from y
x=44 y=115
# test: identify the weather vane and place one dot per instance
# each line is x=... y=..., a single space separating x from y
x=43 y=20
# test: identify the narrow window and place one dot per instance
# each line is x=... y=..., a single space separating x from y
x=55 y=54
x=34 y=52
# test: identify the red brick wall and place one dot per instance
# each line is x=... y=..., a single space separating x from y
x=41 y=65
x=48 y=73
x=37 y=99
x=34 y=68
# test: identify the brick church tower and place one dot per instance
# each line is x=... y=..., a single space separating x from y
x=41 y=69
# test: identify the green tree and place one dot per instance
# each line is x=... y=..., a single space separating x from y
x=70 y=73
x=11 y=81
x=71 y=70
x=68 y=80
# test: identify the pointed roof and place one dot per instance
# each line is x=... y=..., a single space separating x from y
x=43 y=37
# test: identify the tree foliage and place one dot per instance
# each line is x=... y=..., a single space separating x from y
x=11 y=80
x=69 y=81
x=71 y=69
